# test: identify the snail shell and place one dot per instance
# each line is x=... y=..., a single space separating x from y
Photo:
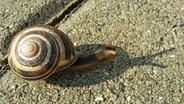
x=36 y=52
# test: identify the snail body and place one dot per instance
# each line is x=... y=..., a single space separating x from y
x=39 y=51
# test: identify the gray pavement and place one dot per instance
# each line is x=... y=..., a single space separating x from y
x=149 y=67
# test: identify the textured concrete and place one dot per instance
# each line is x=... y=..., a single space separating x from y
x=148 y=69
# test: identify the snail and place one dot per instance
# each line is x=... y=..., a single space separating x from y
x=39 y=51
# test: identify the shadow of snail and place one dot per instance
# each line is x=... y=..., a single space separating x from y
x=42 y=51
x=114 y=68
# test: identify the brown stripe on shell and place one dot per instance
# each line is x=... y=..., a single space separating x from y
x=69 y=47
x=30 y=75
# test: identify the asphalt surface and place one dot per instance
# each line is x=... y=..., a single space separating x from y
x=149 y=68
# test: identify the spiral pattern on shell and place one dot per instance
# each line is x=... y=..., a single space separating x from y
x=36 y=52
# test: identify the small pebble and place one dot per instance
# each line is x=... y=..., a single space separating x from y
x=14 y=86
x=75 y=44
x=182 y=90
x=172 y=56
x=2 y=94
x=160 y=98
x=99 y=98
x=106 y=73
x=128 y=98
